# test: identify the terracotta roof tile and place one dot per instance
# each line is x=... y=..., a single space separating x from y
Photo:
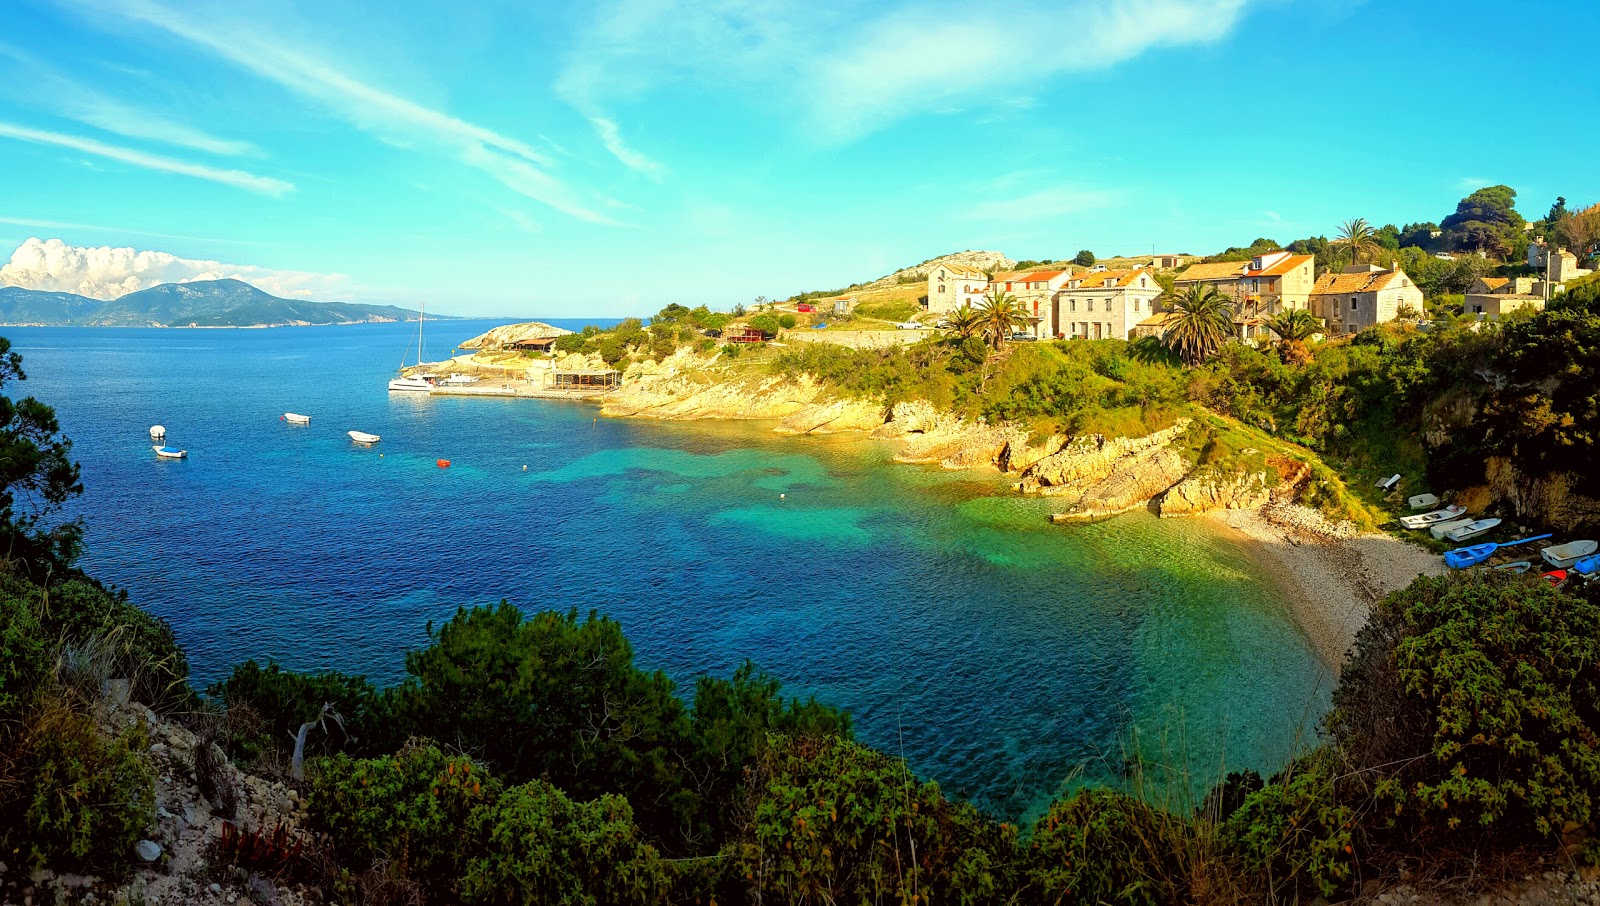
x=1221 y=270
x=1282 y=267
x=1336 y=284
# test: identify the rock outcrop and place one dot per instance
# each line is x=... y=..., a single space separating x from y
x=1093 y=458
x=836 y=417
x=1131 y=484
x=513 y=333
x=983 y=261
x=1204 y=493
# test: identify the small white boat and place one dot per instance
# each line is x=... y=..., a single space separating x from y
x=170 y=452
x=1445 y=528
x=411 y=383
x=1423 y=520
x=1422 y=501
x=459 y=380
x=157 y=432
x=1566 y=556
x=296 y=419
x=1519 y=567
x=362 y=437
x=1388 y=483
x=1472 y=529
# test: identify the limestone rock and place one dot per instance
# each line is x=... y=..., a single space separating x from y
x=1093 y=458
x=1133 y=482
x=148 y=850
x=512 y=333
x=834 y=417
x=1201 y=494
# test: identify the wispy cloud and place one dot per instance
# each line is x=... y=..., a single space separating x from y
x=611 y=137
x=1474 y=182
x=847 y=72
x=31 y=80
x=265 y=185
x=385 y=114
x=1042 y=204
x=38 y=224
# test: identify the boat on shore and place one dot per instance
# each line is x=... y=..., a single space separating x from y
x=1472 y=529
x=362 y=437
x=1519 y=567
x=295 y=418
x=1444 y=528
x=1565 y=556
x=1463 y=557
x=166 y=452
x=1422 y=501
x=1423 y=520
x=1588 y=566
x=1556 y=577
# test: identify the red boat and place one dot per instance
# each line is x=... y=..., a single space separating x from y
x=443 y=463
x=1556 y=577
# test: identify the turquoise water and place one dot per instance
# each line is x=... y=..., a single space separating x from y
x=1001 y=655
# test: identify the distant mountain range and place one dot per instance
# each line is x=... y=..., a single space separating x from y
x=203 y=303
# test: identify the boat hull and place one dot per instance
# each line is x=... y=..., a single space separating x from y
x=296 y=419
x=1565 y=556
x=171 y=453
x=362 y=437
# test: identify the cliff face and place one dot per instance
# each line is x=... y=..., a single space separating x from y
x=512 y=333
x=983 y=261
x=1101 y=476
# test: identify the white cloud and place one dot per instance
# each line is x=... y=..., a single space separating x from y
x=611 y=137
x=98 y=228
x=106 y=273
x=389 y=116
x=850 y=69
x=265 y=185
x=1474 y=182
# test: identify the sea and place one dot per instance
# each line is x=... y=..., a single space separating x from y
x=1009 y=659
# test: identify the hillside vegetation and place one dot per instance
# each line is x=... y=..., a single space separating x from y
x=202 y=303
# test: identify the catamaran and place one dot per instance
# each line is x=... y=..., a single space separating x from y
x=415 y=382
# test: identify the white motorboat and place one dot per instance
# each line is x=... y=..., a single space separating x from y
x=1422 y=501
x=411 y=383
x=362 y=437
x=1423 y=520
x=459 y=380
x=1472 y=529
x=170 y=452
x=296 y=419
x=158 y=433
x=1566 y=556
x=1445 y=528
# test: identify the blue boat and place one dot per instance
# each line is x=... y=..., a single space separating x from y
x=1588 y=566
x=171 y=453
x=1463 y=557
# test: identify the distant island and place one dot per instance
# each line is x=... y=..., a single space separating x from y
x=203 y=303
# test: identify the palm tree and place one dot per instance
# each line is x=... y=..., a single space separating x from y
x=1358 y=238
x=963 y=323
x=1202 y=320
x=1000 y=313
x=1294 y=327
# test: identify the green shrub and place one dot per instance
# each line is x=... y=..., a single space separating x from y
x=570 y=342
x=410 y=808
x=539 y=847
x=281 y=700
x=1472 y=704
x=142 y=646
x=766 y=322
x=1103 y=846
x=79 y=800
x=24 y=657
x=1295 y=836
x=732 y=350
x=833 y=819
x=787 y=321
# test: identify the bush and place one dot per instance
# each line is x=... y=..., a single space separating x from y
x=140 y=646
x=281 y=700
x=1294 y=835
x=830 y=817
x=539 y=847
x=570 y=342
x=787 y=321
x=409 y=808
x=1103 y=846
x=79 y=800
x=1473 y=704
x=766 y=322
x=24 y=657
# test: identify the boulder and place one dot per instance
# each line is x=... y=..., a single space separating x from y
x=148 y=850
x=1204 y=493
x=1092 y=458
x=1133 y=483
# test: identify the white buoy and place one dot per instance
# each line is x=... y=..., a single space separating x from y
x=157 y=432
x=782 y=496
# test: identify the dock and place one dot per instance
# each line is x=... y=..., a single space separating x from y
x=517 y=389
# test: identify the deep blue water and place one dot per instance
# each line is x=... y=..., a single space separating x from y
x=1001 y=655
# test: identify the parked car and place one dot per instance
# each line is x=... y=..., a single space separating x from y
x=1020 y=337
x=911 y=325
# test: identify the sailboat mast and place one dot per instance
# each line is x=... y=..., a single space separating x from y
x=422 y=315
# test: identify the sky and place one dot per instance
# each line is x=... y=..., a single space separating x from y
x=608 y=157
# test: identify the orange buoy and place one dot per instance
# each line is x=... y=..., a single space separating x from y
x=443 y=463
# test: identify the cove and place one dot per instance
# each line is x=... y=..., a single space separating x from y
x=1002 y=656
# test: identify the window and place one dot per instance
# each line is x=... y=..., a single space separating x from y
x=1135 y=304
x=1073 y=306
x=941 y=287
x=1354 y=304
x=1142 y=285
x=1088 y=305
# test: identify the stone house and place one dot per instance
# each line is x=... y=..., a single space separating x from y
x=1363 y=296
x=1491 y=297
x=951 y=286
x=1103 y=305
x=1266 y=285
x=1036 y=291
x=1558 y=265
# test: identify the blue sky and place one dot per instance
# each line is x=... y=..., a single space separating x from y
x=609 y=157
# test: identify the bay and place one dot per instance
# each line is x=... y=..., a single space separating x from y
x=1007 y=658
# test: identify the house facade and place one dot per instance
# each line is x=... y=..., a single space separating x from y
x=1103 y=305
x=951 y=286
x=1265 y=285
x=1035 y=291
x=1361 y=297
x=1558 y=265
x=1491 y=297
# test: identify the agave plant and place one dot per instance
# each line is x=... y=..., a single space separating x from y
x=1202 y=320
